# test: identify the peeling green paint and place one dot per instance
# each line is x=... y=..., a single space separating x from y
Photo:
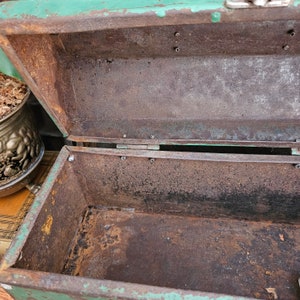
x=103 y=289
x=223 y=297
x=86 y=286
x=20 y=293
x=177 y=296
x=44 y=9
x=119 y=290
x=6 y=66
x=296 y=2
x=216 y=17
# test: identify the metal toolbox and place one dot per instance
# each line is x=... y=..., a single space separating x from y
x=181 y=175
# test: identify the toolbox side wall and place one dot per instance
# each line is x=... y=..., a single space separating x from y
x=49 y=241
x=253 y=191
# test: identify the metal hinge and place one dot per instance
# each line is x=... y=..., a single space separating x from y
x=256 y=3
x=296 y=150
x=138 y=147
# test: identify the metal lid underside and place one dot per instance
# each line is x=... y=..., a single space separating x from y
x=227 y=82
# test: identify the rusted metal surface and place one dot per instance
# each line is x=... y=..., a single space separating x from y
x=41 y=63
x=235 y=94
x=222 y=256
x=240 y=190
x=54 y=226
x=229 y=223
x=151 y=212
x=12 y=255
x=185 y=184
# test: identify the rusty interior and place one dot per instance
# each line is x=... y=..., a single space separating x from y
x=201 y=81
x=223 y=227
x=212 y=226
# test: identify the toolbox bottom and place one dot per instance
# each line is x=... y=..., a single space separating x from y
x=237 y=257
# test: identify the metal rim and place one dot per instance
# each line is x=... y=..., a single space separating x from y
x=24 y=175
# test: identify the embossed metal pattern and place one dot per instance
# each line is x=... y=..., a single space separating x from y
x=20 y=146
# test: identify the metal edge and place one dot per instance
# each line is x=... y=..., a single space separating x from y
x=80 y=287
x=7 y=68
x=13 y=57
x=186 y=142
x=18 y=18
x=198 y=156
x=18 y=242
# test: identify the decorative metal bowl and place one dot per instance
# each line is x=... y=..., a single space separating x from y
x=21 y=149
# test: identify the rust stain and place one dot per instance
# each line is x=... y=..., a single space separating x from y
x=4 y=295
x=111 y=237
x=46 y=228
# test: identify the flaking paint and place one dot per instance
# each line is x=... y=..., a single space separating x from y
x=44 y=9
x=216 y=17
x=6 y=66
x=23 y=293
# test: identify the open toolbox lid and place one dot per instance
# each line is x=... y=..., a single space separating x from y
x=189 y=73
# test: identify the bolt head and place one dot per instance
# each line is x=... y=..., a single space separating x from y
x=152 y=160
x=285 y=47
x=71 y=158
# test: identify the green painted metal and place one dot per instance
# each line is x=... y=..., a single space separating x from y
x=296 y=2
x=44 y=9
x=216 y=17
x=22 y=293
x=6 y=66
x=295 y=151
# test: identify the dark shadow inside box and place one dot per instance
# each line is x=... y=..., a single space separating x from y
x=212 y=226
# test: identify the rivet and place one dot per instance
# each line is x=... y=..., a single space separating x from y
x=297 y=166
x=152 y=137
x=176 y=49
x=177 y=34
x=292 y=32
x=285 y=47
x=124 y=136
x=71 y=158
x=123 y=157
x=152 y=160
